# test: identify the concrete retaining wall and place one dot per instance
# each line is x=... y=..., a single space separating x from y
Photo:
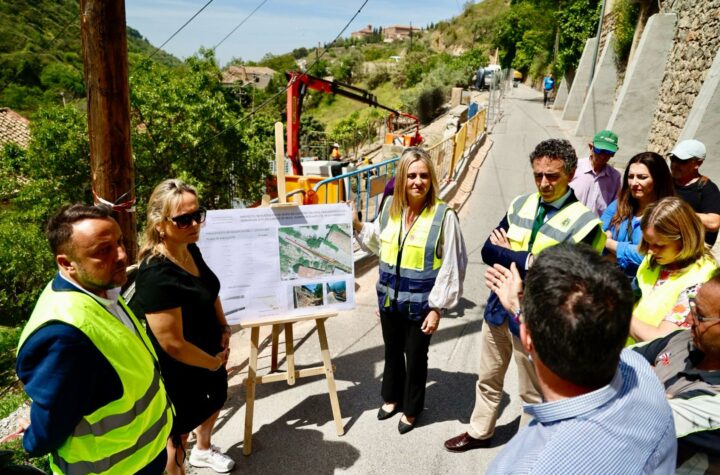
x=633 y=111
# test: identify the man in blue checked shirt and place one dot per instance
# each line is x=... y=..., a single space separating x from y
x=604 y=411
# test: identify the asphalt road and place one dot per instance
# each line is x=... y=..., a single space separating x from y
x=294 y=430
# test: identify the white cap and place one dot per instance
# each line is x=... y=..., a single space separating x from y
x=336 y=145
x=688 y=149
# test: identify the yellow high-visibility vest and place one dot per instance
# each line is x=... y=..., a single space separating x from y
x=408 y=268
x=126 y=434
x=572 y=223
x=655 y=304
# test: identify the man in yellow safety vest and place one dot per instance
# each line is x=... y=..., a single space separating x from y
x=533 y=222
x=99 y=403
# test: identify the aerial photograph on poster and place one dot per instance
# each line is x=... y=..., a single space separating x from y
x=311 y=251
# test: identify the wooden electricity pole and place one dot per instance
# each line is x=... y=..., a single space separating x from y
x=104 y=45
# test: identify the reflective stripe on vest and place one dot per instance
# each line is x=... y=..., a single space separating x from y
x=126 y=434
x=655 y=304
x=411 y=283
x=572 y=223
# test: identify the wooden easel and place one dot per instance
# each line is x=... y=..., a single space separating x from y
x=287 y=323
x=291 y=374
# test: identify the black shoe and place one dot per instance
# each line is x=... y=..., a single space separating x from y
x=465 y=442
x=383 y=414
x=404 y=428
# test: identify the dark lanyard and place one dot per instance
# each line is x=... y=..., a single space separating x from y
x=401 y=245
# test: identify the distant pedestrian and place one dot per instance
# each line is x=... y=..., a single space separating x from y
x=596 y=183
x=548 y=88
x=335 y=152
x=480 y=78
x=699 y=191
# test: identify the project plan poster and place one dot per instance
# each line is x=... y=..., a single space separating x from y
x=281 y=261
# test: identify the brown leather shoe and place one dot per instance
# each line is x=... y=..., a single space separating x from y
x=465 y=442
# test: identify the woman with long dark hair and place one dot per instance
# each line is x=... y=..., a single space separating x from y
x=647 y=179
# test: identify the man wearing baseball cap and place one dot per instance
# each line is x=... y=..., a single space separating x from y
x=596 y=184
x=697 y=190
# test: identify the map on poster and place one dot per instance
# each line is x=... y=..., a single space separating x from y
x=281 y=261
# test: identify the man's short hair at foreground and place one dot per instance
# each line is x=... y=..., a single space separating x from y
x=603 y=409
x=578 y=307
x=59 y=228
x=559 y=149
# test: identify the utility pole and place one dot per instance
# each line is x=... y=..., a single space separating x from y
x=104 y=45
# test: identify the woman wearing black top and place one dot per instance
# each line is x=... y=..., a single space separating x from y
x=178 y=295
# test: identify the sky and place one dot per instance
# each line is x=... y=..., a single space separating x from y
x=277 y=27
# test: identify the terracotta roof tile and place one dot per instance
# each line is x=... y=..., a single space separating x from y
x=13 y=128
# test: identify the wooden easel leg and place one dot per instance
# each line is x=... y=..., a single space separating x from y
x=274 y=352
x=290 y=353
x=329 y=375
x=250 y=401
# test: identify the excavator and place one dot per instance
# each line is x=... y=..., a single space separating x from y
x=298 y=85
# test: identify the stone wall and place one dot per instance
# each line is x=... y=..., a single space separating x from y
x=695 y=45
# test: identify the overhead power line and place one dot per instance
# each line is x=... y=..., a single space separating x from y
x=241 y=23
x=180 y=29
x=279 y=93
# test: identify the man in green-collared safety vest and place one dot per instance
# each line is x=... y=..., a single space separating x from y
x=99 y=404
x=533 y=222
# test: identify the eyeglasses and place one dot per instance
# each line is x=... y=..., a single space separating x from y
x=599 y=151
x=699 y=317
x=186 y=220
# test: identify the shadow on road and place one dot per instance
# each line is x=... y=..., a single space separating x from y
x=277 y=444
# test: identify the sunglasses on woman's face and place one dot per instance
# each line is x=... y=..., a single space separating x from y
x=186 y=220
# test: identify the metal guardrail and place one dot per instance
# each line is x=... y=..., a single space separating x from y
x=365 y=186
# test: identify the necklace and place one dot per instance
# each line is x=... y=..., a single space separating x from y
x=184 y=262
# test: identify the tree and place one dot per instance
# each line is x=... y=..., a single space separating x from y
x=185 y=124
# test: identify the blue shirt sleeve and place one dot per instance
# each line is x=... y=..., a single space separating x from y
x=492 y=254
x=628 y=256
x=67 y=377
x=607 y=215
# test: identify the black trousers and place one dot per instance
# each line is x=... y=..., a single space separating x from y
x=406 y=362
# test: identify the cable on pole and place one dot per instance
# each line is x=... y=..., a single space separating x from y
x=240 y=24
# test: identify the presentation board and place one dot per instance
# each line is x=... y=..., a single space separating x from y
x=281 y=261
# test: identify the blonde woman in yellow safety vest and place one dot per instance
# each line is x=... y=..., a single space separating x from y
x=422 y=268
x=676 y=262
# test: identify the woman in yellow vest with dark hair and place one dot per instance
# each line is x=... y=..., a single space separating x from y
x=422 y=266
x=676 y=262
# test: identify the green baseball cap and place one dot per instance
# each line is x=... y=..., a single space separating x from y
x=606 y=140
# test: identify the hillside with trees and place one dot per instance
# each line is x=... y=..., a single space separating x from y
x=41 y=55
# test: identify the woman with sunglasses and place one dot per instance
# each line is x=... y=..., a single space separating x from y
x=177 y=293
x=676 y=262
x=647 y=179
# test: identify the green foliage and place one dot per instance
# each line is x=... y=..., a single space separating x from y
x=353 y=132
x=280 y=63
x=40 y=53
x=9 y=337
x=625 y=14
x=378 y=77
x=186 y=124
x=21 y=457
x=526 y=34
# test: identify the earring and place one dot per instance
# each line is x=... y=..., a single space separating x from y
x=162 y=235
